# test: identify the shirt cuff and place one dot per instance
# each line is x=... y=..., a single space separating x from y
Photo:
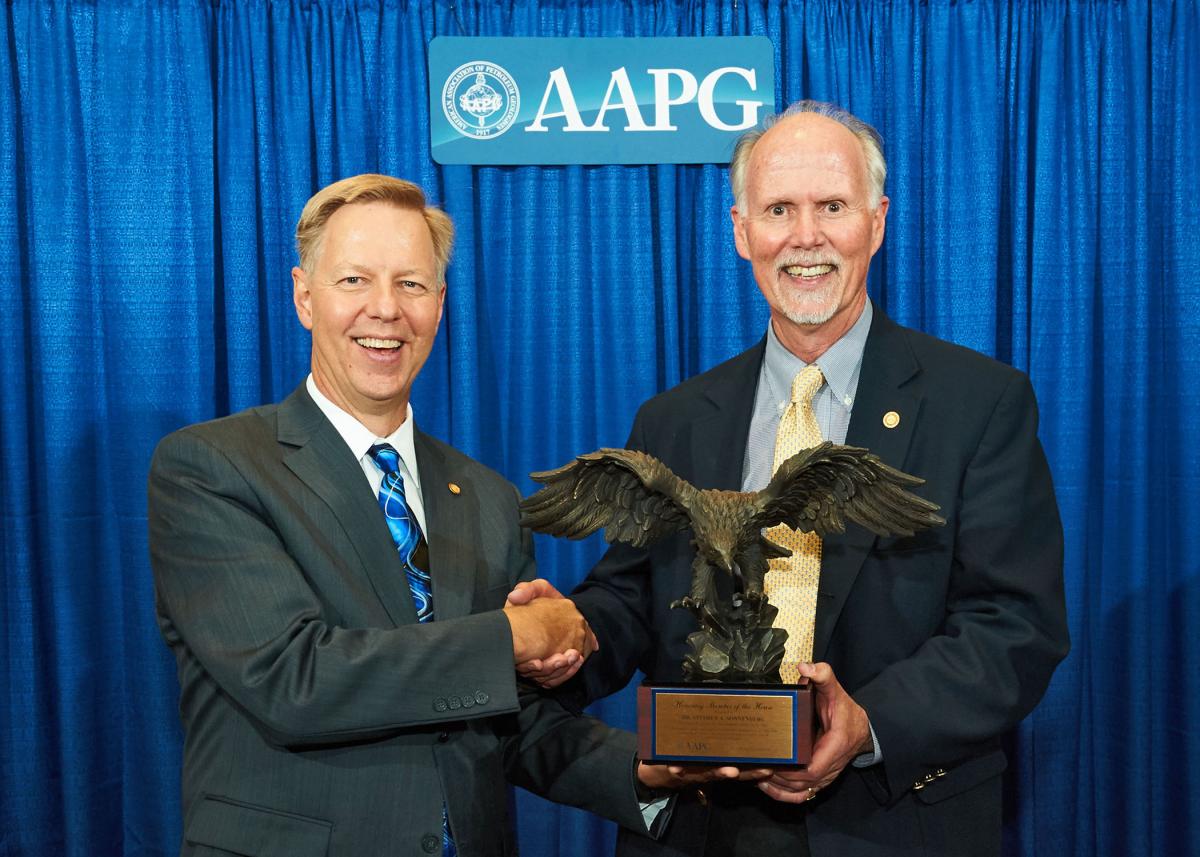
x=866 y=760
x=655 y=814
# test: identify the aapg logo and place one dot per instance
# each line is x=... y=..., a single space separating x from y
x=481 y=100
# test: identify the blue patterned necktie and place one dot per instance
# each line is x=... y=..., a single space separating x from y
x=405 y=530
x=414 y=555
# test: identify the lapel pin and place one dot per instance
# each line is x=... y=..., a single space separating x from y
x=454 y=489
x=891 y=419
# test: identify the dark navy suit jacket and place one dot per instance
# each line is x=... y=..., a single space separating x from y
x=947 y=639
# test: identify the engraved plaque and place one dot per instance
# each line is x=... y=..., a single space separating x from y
x=725 y=724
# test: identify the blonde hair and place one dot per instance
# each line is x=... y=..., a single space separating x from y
x=371 y=187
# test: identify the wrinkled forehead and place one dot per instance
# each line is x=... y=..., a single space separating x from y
x=809 y=149
x=376 y=232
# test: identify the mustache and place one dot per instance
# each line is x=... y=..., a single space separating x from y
x=807 y=260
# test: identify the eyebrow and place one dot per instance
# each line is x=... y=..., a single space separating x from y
x=354 y=268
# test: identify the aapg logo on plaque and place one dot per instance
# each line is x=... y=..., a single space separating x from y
x=480 y=99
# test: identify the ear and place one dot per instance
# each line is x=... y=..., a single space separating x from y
x=441 y=303
x=880 y=218
x=302 y=297
x=739 y=233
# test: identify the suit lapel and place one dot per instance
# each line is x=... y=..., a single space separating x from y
x=452 y=525
x=323 y=462
x=888 y=365
x=719 y=439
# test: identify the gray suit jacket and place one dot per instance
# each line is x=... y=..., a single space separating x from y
x=320 y=718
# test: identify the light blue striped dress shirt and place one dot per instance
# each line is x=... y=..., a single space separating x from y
x=832 y=404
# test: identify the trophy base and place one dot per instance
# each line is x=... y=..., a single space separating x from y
x=747 y=725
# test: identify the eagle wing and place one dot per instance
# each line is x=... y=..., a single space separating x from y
x=818 y=489
x=634 y=496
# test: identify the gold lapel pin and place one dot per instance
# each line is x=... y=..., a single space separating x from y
x=454 y=489
x=891 y=419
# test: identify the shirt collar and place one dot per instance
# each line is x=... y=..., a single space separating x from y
x=840 y=364
x=359 y=438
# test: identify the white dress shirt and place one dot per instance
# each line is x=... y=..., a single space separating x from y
x=360 y=439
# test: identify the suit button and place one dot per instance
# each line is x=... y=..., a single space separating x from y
x=454 y=702
x=439 y=704
x=468 y=701
x=443 y=737
x=429 y=843
x=481 y=697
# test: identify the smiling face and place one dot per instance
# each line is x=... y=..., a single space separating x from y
x=373 y=303
x=808 y=230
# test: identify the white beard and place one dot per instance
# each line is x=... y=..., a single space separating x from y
x=809 y=308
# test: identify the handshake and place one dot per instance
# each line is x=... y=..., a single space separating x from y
x=551 y=638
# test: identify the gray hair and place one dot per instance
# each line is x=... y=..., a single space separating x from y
x=868 y=138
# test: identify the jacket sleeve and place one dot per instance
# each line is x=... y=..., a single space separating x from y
x=573 y=759
x=554 y=751
x=240 y=609
x=1004 y=627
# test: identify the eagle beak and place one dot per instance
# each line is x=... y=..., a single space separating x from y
x=736 y=571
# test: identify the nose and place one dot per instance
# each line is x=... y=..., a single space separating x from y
x=383 y=303
x=805 y=229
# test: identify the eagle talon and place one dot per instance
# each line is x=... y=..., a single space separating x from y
x=693 y=604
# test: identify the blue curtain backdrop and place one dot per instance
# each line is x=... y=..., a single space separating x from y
x=154 y=157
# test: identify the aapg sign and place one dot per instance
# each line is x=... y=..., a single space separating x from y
x=595 y=101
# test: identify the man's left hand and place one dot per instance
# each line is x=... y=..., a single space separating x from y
x=675 y=777
x=845 y=733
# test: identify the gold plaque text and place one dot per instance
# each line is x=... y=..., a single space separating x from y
x=716 y=724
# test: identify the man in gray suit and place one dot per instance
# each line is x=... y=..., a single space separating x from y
x=322 y=714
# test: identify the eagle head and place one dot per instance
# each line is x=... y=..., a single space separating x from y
x=723 y=556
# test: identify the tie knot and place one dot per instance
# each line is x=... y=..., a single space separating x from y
x=806 y=383
x=385 y=455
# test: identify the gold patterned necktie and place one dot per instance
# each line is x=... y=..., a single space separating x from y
x=791 y=582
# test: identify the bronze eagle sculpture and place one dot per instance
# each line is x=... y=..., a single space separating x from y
x=637 y=499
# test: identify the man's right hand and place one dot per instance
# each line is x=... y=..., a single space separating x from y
x=547 y=626
x=553 y=670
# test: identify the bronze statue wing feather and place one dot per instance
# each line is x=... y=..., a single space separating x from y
x=818 y=489
x=634 y=496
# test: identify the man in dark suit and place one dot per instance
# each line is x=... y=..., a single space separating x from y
x=323 y=714
x=925 y=650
